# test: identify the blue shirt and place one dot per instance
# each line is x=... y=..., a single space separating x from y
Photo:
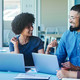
x=33 y=45
x=69 y=46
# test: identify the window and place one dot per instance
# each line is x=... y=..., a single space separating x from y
x=11 y=8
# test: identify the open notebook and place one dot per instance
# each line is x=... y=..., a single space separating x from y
x=32 y=76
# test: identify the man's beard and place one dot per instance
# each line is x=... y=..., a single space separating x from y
x=75 y=28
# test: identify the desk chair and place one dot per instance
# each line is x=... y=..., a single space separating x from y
x=51 y=34
x=49 y=31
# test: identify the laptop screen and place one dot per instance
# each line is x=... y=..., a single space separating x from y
x=12 y=62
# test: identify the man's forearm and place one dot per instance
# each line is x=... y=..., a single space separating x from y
x=72 y=74
x=76 y=68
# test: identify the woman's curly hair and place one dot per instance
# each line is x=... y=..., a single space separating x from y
x=21 y=21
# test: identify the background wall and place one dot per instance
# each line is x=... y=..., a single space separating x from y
x=77 y=2
x=54 y=13
x=0 y=23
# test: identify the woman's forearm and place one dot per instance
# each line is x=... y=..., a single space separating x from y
x=47 y=50
x=16 y=49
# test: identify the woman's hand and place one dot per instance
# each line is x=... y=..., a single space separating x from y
x=52 y=44
x=14 y=41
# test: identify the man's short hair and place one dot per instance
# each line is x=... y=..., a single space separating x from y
x=76 y=8
x=22 y=21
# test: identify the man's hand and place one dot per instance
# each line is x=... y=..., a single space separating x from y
x=62 y=74
x=68 y=66
x=66 y=74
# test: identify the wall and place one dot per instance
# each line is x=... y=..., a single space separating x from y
x=70 y=4
x=77 y=2
x=0 y=23
x=31 y=7
x=54 y=13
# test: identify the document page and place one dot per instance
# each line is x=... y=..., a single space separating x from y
x=32 y=76
x=69 y=79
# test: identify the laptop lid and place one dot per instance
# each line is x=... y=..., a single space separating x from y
x=45 y=63
x=12 y=62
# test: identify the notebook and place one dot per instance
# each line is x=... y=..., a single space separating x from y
x=70 y=79
x=32 y=76
x=12 y=62
x=45 y=63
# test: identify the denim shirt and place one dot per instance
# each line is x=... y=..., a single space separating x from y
x=69 y=46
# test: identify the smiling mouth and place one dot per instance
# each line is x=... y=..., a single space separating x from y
x=30 y=32
x=71 y=24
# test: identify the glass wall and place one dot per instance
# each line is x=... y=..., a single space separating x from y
x=11 y=8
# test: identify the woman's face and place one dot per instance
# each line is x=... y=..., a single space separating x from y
x=28 y=30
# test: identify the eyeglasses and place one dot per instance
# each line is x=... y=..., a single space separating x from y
x=72 y=17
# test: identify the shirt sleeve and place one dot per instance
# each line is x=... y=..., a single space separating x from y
x=78 y=75
x=41 y=44
x=61 y=50
x=11 y=47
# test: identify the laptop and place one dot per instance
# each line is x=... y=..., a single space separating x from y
x=12 y=62
x=45 y=63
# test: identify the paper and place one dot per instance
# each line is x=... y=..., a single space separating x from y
x=32 y=76
x=70 y=79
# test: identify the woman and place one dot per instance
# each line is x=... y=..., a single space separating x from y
x=25 y=43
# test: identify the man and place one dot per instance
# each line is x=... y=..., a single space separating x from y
x=70 y=42
x=70 y=46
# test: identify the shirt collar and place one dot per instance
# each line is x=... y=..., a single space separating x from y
x=76 y=32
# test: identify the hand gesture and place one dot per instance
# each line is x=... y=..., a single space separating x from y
x=53 y=44
x=14 y=41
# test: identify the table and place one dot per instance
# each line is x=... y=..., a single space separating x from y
x=11 y=75
x=8 y=75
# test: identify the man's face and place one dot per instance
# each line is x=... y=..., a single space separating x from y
x=74 y=18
